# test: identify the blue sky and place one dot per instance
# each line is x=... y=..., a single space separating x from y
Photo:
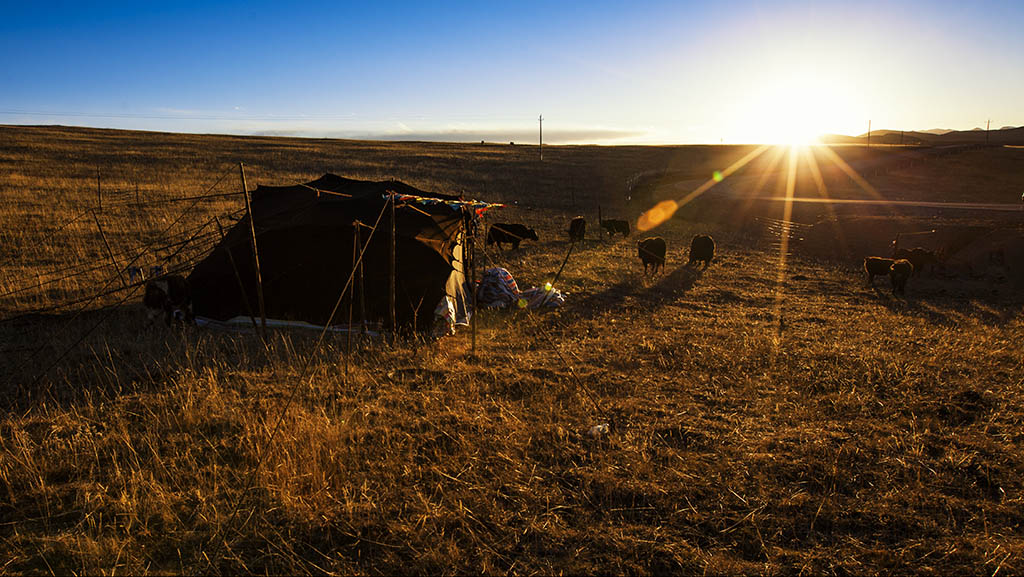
x=604 y=72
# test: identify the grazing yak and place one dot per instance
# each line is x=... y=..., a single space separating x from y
x=702 y=248
x=502 y=232
x=652 y=252
x=877 y=266
x=613 y=226
x=899 y=272
x=919 y=257
x=577 y=229
x=168 y=295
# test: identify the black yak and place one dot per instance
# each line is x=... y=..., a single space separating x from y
x=702 y=248
x=168 y=295
x=577 y=229
x=501 y=232
x=919 y=257
x=899 y=272
x=877 y=266
x=613 y=226
x=652 y=252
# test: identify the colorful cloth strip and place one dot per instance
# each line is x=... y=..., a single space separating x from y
x=478 y=206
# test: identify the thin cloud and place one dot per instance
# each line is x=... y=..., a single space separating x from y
x=555 y=136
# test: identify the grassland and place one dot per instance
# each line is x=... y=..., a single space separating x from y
x=773 y=415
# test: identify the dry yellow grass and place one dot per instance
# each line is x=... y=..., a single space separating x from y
x=766 y=423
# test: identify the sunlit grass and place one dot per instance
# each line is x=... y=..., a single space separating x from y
x=765 y=424
x=665 y=209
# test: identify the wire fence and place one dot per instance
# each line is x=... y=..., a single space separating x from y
x=187 y=248
x=169 y=251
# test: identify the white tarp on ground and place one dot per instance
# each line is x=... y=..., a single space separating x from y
x=244 y=325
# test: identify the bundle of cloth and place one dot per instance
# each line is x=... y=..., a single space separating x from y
x=498 y=289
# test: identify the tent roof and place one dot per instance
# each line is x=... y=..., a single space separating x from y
x=340 y=189
x=305 y=238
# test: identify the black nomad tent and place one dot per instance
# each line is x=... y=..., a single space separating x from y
x=305 y=241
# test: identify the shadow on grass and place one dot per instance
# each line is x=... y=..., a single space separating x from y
x=110 y=351
x=663 y=289
x=948 y=306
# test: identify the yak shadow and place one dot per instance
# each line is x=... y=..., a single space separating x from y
x=649 y=292
x=941 y=307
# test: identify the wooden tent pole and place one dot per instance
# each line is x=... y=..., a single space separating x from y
x=391 y=271
x=255 y=253
x=110 y=253
x=138 y=213
x=471 y=261
x=241 y=285
x=352 y=293
x=362 y=284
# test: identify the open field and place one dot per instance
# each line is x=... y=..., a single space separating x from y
x=773 y=414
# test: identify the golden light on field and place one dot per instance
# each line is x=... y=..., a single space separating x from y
x=665 y=209
x=791 y=157
x=787 y=213
x=657 y=215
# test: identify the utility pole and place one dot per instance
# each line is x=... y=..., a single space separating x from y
x=540 y=120
x=987 y=123
x=869 y=133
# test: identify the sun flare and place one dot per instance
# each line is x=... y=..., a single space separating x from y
x=795 y=107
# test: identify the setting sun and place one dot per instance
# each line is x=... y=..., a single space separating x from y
x=793 y=112
x=794 y=100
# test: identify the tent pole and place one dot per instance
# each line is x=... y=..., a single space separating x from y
x=110 y=253
x=362 y=285
x=241 y=285
x=352 y=293
x=255 y=253
x=471 y=230
x=391 y=272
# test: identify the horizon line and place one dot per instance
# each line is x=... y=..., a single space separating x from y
x=605 y=137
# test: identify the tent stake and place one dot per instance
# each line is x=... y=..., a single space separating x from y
x=255 y=253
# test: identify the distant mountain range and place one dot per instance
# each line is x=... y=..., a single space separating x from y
x=1013 y=135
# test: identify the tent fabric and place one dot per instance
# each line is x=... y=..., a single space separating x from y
x=304 y=237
